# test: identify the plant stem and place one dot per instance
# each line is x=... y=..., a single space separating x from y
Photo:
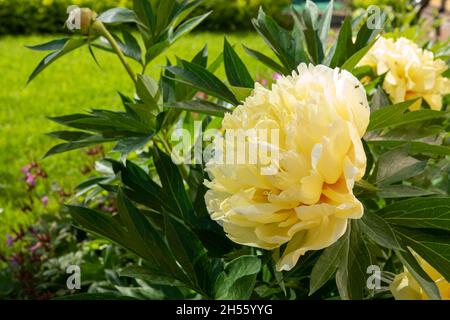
x=100 y=28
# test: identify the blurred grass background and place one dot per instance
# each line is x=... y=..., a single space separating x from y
x=73 y=84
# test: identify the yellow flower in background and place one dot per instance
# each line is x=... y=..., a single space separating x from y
x=321 y=115
x=411 y=72
x=405 y=287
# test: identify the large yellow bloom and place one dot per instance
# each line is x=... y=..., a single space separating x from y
x=405 y=287
x=321 y=115
x=411 y=72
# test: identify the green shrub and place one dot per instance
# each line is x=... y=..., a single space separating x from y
x=44 y=16
x=234 y=15
x=48 y=16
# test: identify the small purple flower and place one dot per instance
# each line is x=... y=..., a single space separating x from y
x=44 y=201
x=25 y=169
x=276 y=76
x=35 y=247
x=9 y=240
x=30 y=180
x=263 y=82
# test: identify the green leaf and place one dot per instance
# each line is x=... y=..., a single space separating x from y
x=351 y=62
x=150 y=275
x=190 y=253
x=70 y=45
x=238 y=279
x=131 y=46
x=163 y=13
x=431 y=244
x=97 y=222
x=237 y=73
x=145 y=240
x=148 y=91
x=50 y=46
x=200 y=106
x=120 y=15
x=201 y=58
x=325 y=24
x=188 y=26
x=308 y=24
x=204 y=80
x=396 y=165
x=419 y=213
x=287 y=48
x=351 y=276
x=328 y=263
x=141 y=188
x=266 y=60
x=389 y=116
x=343 y=46
x=144 y=11
x=403 y=191
x=73 y=145
x=70 y=135
x=173 y=185
x=416 y=147
x=377 y=229
x=379 y=98
x=424 y=280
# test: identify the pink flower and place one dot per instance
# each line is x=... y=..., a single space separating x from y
x=35 y=247
x=201 y=95
x=276 y=76
x=264 y=82
x=9 y=240
x=44 y=201
x=30 y=179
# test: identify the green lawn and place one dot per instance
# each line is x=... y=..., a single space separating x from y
x=72 y=84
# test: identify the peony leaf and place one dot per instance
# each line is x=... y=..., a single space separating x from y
x=328 y=263
x=150 y=275
x=200 y=106
x=120 y=15
x=431 y=244
x=417 y=272
x=50 y=46
x=63 y=46
x=379 y=231
x=173 y=184
x=238 y=279
x=416 y=147
x=266 y=60
x=419 y=213
x=203 y=80
x=351 y=276
x=396 y=165
x=396 y=115
x=190 y=253
x=403 y=191
x=188 y=26
x=235 y=69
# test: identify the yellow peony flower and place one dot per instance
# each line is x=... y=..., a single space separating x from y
x=411 y=72
x=405 y=287
x=321 y=115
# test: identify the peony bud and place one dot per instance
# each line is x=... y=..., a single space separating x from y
x=80 y=19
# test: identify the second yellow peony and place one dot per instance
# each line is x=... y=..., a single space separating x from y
x=405 y=287
x=411 y=72
x=321 y=115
